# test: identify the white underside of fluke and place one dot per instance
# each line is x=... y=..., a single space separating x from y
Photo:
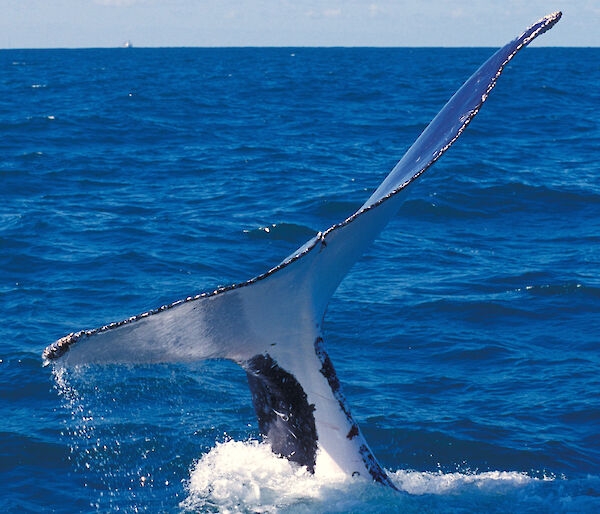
x=277 y=316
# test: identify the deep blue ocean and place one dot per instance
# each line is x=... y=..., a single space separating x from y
x=467 y=338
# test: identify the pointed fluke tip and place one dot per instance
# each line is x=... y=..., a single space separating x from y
x=540 y=26
x=549 y=21
x=60 y=347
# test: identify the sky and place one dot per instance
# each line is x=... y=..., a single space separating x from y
x=109 y=23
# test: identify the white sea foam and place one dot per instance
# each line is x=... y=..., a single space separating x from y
x=236 y=476
x=247 y=477
x=414 y=482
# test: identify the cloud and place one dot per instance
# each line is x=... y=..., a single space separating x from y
x=119 y=3
x=458 y=12
x=332 y=13
x=375 y=10
x=324 y=13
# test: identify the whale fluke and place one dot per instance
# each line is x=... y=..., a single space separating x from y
x=271 y=324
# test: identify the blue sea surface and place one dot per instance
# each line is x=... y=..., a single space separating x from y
x=467 y=338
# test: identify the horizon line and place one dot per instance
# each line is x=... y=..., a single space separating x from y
x=217 y=47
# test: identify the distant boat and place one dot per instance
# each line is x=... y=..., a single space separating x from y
x=127 y=44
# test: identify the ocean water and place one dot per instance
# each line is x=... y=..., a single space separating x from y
x=467 y=338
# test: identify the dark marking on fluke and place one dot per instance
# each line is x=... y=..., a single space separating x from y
x=328 y=371
x=285 y=418
x=374 y=468
x=353 y=432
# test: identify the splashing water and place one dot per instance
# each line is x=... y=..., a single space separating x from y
x=246 y=476
x=238 y=476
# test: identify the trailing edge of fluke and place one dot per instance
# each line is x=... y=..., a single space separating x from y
x=271 y=324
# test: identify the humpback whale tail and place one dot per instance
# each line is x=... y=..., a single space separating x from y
x=271 y=324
